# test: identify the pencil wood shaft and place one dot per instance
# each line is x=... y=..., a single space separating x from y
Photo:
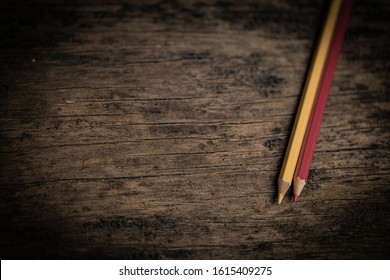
x=307 y=100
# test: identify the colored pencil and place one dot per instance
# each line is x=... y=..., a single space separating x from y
x=306 y=104
x=307 y=151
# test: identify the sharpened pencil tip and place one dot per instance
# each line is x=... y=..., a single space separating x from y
x=280 y=198
x=295 y=198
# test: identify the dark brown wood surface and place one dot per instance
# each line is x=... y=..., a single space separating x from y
x=148 y=130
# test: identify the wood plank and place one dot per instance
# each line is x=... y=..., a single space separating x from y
x=156 y=130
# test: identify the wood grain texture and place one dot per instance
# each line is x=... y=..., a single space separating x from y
x=156 y=130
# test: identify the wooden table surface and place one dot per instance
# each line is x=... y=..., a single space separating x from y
x=148 y=130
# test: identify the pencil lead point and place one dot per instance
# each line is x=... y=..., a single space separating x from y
x=295 y=198
x=280 y=198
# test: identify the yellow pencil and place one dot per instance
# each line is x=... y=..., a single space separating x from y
x=307 y=101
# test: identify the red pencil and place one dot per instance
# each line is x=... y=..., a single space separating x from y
x=307 y=150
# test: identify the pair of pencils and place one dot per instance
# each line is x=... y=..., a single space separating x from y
x=302 y=142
